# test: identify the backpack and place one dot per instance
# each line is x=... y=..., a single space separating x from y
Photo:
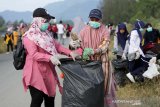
x=19 y=55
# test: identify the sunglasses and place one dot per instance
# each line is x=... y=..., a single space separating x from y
x=94 y=19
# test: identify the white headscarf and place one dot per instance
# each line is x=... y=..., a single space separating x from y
x=41 y=39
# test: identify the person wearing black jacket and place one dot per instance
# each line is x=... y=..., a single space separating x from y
x=151 y=35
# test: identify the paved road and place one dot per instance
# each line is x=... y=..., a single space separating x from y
x=11 y=88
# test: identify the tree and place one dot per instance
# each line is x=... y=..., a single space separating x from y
x=149 y=8
x=2 y=24
x=117 y=11
x=15 y=24
x=129 y=10
x=21 y=21
x=2 y=21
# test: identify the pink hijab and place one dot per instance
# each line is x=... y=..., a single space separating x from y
x=41 y=39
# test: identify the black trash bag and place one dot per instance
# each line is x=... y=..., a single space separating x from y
x=120 y=69
x=83 y=84
x=119 y=63
x=120 y=77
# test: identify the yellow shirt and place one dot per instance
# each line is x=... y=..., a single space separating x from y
x=8 y=38
x=15 y=36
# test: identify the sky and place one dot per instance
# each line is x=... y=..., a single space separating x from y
x=23 y=5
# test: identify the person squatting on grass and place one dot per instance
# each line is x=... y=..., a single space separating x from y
x=135 y=53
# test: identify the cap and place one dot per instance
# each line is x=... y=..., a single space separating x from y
x=96 y=13
x=41 y=12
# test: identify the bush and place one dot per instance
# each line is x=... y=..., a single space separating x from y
x=2 y=45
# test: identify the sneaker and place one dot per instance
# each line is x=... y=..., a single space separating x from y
x=7 y=52
x=130 y=77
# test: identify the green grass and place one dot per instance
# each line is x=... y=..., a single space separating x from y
x=2 y=46
x=147 y=93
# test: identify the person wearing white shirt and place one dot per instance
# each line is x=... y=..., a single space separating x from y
x=61 y=30
x=135 y=53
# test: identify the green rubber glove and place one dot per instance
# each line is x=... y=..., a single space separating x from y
x=87 y=53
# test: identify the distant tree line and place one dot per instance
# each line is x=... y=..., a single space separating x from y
x=4 y=24
x=116 y=11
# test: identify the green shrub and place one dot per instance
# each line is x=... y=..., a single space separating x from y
x=2 y=45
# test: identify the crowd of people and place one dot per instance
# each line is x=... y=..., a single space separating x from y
x=12 y=35
x=133 y=46
x=44 y=40
x=60 y=32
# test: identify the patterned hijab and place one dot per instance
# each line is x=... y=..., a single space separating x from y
x=41 y=39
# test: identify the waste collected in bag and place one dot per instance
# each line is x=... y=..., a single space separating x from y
x=83 y=84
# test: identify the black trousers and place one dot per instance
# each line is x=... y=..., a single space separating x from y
x=10 y=44
x=38 y=97
x=55 y=35
x=137 y=67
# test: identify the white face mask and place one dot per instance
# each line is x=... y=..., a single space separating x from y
x=149 y=29
x=44 y=27
x=94 y=24
x=141 y=29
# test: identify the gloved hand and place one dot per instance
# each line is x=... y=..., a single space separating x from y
x=137 y=55
x=75 y=44
x=55 y=60
x=74 y=55
x=153 y=60
x=97 y=51
x=124 y=56
x=104 y=48
x=88 y=52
